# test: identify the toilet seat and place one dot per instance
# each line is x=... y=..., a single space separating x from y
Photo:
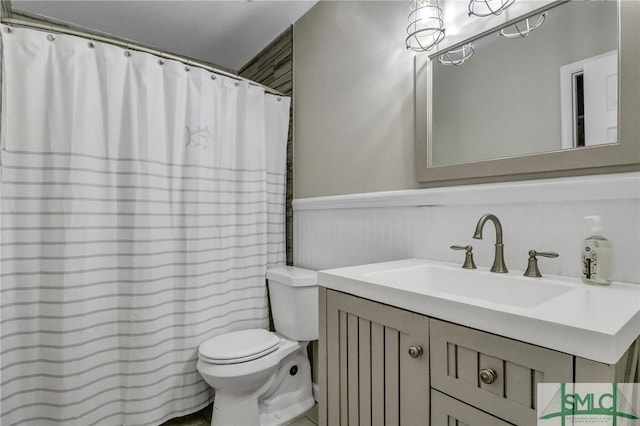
x=238 y=360
x=238 y=346
x=260 y=365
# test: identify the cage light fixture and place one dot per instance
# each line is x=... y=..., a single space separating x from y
x=485 y=8
x=456 y=57
x=426 y=26
x=523 y=28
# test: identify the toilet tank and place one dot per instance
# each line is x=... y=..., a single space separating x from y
x=293 y=293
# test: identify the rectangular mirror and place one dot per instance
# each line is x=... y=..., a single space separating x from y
x=559 y=100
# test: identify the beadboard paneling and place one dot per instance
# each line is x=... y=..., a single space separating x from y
x=545 y=215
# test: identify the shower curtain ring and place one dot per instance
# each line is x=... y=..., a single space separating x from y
x=51 y=37
x=187 y=67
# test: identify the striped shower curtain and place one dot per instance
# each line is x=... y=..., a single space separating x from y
x=142 y=202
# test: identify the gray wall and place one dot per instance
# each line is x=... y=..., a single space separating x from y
x=505 y=100
x=353 y=99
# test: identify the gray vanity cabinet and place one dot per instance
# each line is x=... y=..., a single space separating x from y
x=374 y=363
x=381 y=365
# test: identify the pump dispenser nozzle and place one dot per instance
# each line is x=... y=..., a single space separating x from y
x=595 y=228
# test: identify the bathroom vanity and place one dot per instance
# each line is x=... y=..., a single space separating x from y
x=416 y=342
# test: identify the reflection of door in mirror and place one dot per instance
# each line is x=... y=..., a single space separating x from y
x=589 y=101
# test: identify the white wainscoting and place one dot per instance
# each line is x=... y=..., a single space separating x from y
x=545 y=215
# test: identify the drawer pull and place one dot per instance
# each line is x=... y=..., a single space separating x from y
x=488 y=375
x=415 y=351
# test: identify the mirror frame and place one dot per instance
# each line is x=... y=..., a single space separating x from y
x=620 y=157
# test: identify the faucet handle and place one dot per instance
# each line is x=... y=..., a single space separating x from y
x=532 y=266
x=468 y=259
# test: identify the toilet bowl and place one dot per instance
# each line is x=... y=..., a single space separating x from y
x=263 y=378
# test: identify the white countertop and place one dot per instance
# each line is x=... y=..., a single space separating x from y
x=594 y=322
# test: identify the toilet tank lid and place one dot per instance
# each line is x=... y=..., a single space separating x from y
x=293 y=276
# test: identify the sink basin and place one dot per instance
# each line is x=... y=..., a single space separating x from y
x=503 y=289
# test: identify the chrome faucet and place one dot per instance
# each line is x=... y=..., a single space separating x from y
x=498 y=260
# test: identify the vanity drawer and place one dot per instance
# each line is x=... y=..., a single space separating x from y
x=447 y=411
x=459 y=356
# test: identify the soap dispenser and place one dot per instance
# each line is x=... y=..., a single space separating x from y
x=597 y=256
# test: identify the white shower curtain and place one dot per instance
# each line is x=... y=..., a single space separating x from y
x=141 y=205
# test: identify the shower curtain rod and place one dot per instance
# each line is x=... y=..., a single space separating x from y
x=127 y=45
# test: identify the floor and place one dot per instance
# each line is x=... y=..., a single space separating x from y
x=203 y=418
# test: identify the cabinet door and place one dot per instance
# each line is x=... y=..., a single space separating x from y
x=460 y=355
x=447 y=411
x=370 y=378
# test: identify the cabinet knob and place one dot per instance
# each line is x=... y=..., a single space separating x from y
x=415 y=351
x=488 y=375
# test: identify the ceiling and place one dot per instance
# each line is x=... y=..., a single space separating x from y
x=228 y=33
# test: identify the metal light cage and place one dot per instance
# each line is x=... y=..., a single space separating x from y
x=456 y=57
x=523 y=28
x=485 y=8
x=426 y=26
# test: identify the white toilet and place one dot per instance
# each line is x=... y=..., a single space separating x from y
x=264 y=378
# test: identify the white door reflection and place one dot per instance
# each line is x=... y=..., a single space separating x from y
x=589 y=101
